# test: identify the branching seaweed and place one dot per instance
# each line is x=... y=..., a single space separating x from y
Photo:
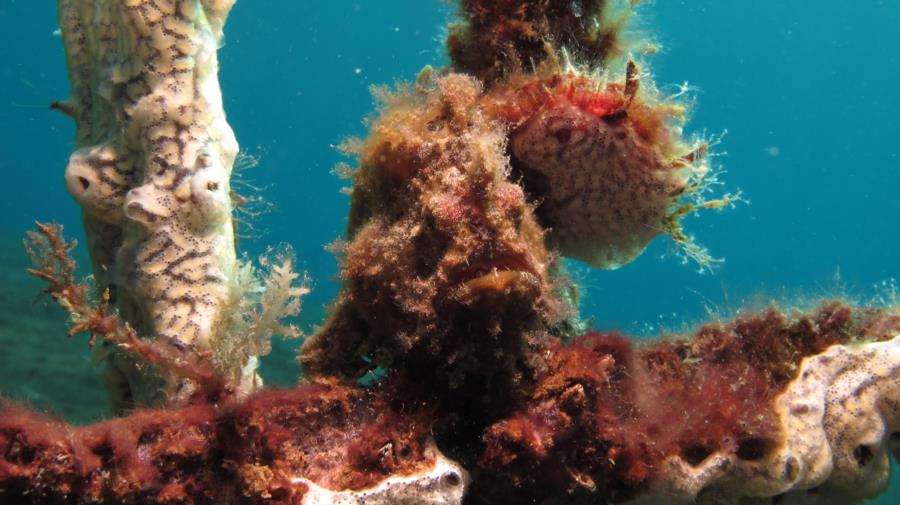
x=246 y=198
x=702 y=182
x=256 y=310
x=51 y=256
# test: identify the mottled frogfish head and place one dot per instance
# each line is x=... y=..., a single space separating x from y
x=443 y=246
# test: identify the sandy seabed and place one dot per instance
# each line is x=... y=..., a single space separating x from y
x=39 y=364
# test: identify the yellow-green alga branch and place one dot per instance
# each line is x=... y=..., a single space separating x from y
x=152 y=167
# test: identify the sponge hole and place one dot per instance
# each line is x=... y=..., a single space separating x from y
x=452 y=479
x=863 y=455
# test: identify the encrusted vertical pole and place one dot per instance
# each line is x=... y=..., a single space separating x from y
x=151 y=171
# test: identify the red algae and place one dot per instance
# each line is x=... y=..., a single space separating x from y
x=594 y=417
x=331 y=435
x=607 y=414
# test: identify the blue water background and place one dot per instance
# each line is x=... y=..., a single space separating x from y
x=807 y=91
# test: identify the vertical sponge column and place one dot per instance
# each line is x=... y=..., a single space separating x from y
x=151 y=171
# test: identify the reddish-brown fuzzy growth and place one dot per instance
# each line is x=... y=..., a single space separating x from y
x=495 y=37
x=248 y=452
x=446 y=273
x=606 y=415
x=599 y=421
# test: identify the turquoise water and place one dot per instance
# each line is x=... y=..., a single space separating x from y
x=807 y=96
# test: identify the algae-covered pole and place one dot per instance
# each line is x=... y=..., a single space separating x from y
x=151 y=170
